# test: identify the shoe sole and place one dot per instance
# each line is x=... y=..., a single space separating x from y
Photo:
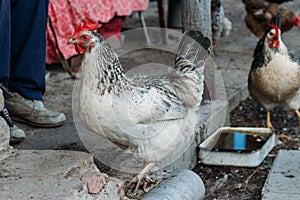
x=15 y=140
x=17 y=119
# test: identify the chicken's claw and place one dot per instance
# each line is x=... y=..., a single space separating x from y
x=149 y=180
x=137 y=181
x=268 y=122
x=285 y=138
x=270 y=126
x=298 y=115
x=139 y=178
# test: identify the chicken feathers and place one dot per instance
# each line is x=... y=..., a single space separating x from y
x=260 y=13
x=274 y=77
x=156 y=116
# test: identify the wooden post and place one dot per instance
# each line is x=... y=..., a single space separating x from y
x=196 y=14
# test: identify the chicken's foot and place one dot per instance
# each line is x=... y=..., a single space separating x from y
x=268 y=122
x=138 y=178
x=298 y=115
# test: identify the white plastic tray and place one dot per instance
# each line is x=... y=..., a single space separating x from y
x=243 y=159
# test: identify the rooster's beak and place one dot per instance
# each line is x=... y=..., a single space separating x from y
x=72 y=41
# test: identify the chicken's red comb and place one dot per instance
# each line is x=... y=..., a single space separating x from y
x=296 y=20
x=276 y=29
x=86 y=26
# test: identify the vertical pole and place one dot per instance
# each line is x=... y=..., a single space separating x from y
x=196 y=14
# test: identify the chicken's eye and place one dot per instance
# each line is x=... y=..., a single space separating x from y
x=271 y=34
x=85 y=37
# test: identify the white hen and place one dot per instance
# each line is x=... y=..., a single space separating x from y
x=156 y=115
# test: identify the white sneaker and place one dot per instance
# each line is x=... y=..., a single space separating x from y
x=33 y=112
x=16 y=134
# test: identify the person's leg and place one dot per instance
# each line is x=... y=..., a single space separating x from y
x=5 y=41
x=16 y=134
x=28 y=61
x=28 y=52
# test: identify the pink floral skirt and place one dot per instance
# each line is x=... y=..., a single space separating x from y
x=66 y=15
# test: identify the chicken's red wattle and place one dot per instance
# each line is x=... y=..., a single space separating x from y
x=80 y=49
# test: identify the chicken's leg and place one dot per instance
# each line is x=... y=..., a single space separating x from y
x=268 y=121
x=298 y=115
x=138 y=178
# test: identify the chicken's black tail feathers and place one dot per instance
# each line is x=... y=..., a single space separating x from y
x=276 y=20
x=193 y=47
x=199 y=38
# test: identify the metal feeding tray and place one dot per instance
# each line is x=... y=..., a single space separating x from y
x=240 y=146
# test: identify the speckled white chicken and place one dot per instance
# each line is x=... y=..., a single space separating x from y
x=156 y=116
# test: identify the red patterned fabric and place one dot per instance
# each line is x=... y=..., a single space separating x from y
x=66 y=15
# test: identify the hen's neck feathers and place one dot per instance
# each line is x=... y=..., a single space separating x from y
x=102 y=65
x=268 y=52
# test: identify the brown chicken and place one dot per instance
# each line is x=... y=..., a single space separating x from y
x=274 y=77
x=260 y=13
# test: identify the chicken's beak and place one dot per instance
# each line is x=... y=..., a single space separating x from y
x=72 y=41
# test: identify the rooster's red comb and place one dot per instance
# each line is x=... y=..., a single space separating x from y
x=296 y=20
x=86 y=26
x=273 y=26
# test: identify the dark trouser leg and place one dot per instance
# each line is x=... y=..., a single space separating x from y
x=28 y=47
x=5 y=43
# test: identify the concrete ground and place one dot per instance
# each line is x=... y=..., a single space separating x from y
x=233 y=58
x=283 y=179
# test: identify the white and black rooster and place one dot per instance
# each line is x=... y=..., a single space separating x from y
x=274 y=77
x=155 y=116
